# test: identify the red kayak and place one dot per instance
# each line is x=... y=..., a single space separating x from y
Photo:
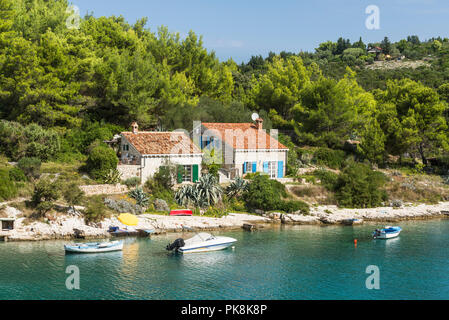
x=181 y=212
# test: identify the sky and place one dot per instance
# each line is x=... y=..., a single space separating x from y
x=238 y=29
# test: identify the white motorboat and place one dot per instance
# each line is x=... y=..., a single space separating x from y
x=387 y=233
x=201 y=242
x=94 y=247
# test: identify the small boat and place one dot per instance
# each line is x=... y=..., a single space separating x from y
x=117 y=232
x=387 y=233
x=181 y=212
x=94 y=247
x=202 y=242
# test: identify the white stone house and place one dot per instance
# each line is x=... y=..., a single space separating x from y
x=242 y=148
x=142 y=153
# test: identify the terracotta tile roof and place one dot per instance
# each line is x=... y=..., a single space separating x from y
x=161 y=142
x=244 y=136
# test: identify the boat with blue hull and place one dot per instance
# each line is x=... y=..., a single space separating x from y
x=94 y=247
x=387 y=233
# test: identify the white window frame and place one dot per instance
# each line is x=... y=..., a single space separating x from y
x=187 y=174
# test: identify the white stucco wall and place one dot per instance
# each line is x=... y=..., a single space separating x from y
x=150 y=164
x=259 y=156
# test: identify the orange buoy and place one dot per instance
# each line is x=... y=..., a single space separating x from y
x=355 y=242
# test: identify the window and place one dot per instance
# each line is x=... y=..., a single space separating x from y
x=125 y=147
x=187 y=174
x=272 y=169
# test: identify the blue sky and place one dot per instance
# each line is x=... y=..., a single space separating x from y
x=241 y=28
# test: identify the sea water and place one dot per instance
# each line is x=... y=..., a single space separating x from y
x=279 y=262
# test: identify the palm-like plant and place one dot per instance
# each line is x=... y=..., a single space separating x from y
x=184 y=195
x=237 y=187
x=209 y=191
x=140 y=196
x=206 y=192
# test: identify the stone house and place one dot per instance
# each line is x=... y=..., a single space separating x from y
x=242 y=148
x=142 y=153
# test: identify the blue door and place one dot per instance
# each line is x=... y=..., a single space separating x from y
x=254 y=166
x=280 y=169
x=265 y=167
x=244 y=167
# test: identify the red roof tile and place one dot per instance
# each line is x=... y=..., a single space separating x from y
x=161 y=142
x=244 y=136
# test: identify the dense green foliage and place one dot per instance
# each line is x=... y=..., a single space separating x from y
x=8 y=189
x=358 y=186
x=95 y=210
x=45 y=193
x=31 y=167
x=64 y=91
x=266 y=194
x=101 y=161
x=72 y=194
x=331 y=158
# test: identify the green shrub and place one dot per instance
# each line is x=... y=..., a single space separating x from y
x=161 y=184
x=17 y=141
x=264 y=193
x=358 y=186
x=8 y=189
x=215 y=212
x=95 y=210
x=328 y=178
x=100 y=161
x=72 y=194
x=331 y=158
x=31 y=167
x=16 y=174
x=45 y=193
x=294 y=206
x=132 y=182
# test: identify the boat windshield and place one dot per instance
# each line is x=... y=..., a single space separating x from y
x=200 y=237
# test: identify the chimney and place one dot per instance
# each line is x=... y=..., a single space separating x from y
x=259 y=123
x=135 y=127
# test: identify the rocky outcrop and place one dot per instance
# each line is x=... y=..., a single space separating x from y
x=123 y=206
x=161 y=205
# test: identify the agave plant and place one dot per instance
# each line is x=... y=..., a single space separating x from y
x=209 y=191
x=206 y=192
x=140 y=196
x=237 y=187
x=184 y=195
x=112 y=176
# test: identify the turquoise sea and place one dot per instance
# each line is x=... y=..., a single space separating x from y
x=282 y=262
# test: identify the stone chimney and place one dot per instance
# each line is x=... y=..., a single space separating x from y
x=135 y=127
x=259 y=123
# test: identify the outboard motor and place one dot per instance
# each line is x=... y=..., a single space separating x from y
x=178 y=243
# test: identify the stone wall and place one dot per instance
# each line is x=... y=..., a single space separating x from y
x=128 y=171
x=104 y=189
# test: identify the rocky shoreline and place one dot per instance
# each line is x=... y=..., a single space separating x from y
x=335 y=215
x=73 y=226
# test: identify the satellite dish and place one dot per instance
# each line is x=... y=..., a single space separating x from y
x=255 y=116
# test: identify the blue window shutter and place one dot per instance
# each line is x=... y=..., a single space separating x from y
x=244 y=167
x=280 y=169
x=254 y=167
x=265 y=167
